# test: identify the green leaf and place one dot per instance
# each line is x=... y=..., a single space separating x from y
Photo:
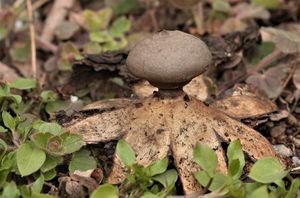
x=40 y=195
x=294 y=188
x=10 y=191
x=219 y=180
x=264 y=49
x=71 y=142
x=269 y=4
x=3 y=148
x=149 y=195
x=261 y=192
x=158 y=167
x=106 y=190
x=8 y=161
x=203 y=178
x=3 y=176
x=56 y=106
x=82 y=161
x=235 y=152
x=16 y=98
x=45 y=127
x=48 y=96
x=2 y=129
x=49 y=175
x=51 y=162
x=125 y=6
x=167 y=179
x=267 y=170
x=20 y=51
x=92 y=48
x=38 y=184
x=8 y=121
x=206 y=158
x=120 y=26
x=100 y=36
x=23 y=84
x=29 y=159
x=125 y=152
x=221 y=6
x=97 y=20
x=41 y=139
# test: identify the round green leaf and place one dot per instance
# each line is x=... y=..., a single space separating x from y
x=29 y=159
x=267 y=170
x=107 y=191
x=125 y=153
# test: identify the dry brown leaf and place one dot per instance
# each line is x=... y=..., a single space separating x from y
x=241 y=107
x=271 y=82
x=7 y=74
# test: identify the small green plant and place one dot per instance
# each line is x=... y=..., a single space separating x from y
x=153 y=181
x=268 y=175
x=105 y=37
x=30 y=147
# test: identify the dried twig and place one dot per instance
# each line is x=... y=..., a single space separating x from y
x=32 y=39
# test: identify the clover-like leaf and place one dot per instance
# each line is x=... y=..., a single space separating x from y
x=206 y=158
x=125 y=152
x=106 y=190
x=267 y=170
x=29 y=159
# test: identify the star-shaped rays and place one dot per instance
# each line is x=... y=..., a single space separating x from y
x=158 y=126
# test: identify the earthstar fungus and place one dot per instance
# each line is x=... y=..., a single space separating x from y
x=169 y=122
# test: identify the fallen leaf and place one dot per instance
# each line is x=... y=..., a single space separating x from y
x=271 y=81
x=65 y=30
x=7 y=74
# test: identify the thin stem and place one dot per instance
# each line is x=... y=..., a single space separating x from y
x=32 y=39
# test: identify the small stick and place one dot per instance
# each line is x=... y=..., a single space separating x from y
x=32 y=39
